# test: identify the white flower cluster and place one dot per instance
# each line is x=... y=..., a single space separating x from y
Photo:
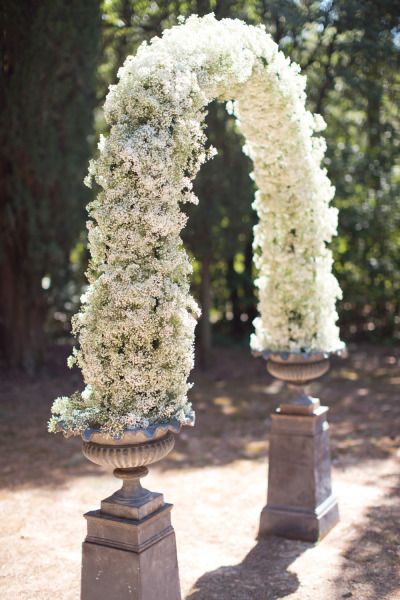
x=136 y=324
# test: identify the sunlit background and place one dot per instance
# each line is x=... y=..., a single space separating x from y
x=58 y=59
x=56 y=75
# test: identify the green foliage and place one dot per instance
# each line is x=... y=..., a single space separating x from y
x=47 y=78
x=349 y=51
x=364 y=162
x=219 y=231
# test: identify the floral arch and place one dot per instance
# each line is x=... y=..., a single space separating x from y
x=136 y=324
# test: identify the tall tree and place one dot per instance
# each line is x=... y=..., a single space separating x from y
x=349 y=51
x=47 y=82
x=364 y=131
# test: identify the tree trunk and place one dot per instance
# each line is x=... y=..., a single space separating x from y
x=373 y=180
x=22 y=315
x=203 y=7
x=232 y=281
x=204 y=324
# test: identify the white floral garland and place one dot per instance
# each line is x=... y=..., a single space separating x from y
x=136 y=324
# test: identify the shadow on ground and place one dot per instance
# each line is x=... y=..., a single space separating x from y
x=233 y=401
x=29 y=455
x=375 y=548
x=235 y=397
x=262 y=575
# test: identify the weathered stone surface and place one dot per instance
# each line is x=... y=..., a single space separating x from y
x=132 y=508
x=300 y=503
x=127 y=559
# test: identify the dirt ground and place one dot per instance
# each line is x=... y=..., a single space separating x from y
x=216 y=478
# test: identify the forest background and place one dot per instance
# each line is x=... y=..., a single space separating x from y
x=58 y=59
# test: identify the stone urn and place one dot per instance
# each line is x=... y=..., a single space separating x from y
x=130 y=548
x=297 y=370
x=129 y=456
x=300 y=503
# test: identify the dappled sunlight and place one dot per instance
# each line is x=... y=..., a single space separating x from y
x=347 y=374
x=374 y=543
x=233 y=402
x=231 y=326
x=363 y=392
x=226 y=406
x=216 y=479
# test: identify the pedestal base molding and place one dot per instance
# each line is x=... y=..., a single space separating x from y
x=126 y=559
x=130 y=550
x=300 y=503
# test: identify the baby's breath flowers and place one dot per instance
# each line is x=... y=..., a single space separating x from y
x=136 y=324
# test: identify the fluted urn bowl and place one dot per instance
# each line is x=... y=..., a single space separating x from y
x=135 y=448
x=297 y=369
x=129 y=456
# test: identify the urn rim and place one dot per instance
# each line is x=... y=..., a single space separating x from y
x=302 y=357
x=298 y=372
x=136 y=436
x=298 y=359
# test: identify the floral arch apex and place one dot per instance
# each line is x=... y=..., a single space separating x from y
x=136 y=324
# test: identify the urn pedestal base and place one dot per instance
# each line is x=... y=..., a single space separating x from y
x=130 y=551
x=123 y=559
x=300 y=503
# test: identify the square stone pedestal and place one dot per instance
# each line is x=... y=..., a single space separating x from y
x=300 y=503
x=126 y=558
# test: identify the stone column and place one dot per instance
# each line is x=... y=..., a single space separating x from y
x=300 y=503
x=130 y=551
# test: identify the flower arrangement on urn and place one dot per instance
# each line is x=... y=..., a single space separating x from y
x=136 y=324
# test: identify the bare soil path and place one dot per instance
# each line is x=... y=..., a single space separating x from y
x=216 y=478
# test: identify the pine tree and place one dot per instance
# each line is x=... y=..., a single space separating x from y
x=47 y=81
